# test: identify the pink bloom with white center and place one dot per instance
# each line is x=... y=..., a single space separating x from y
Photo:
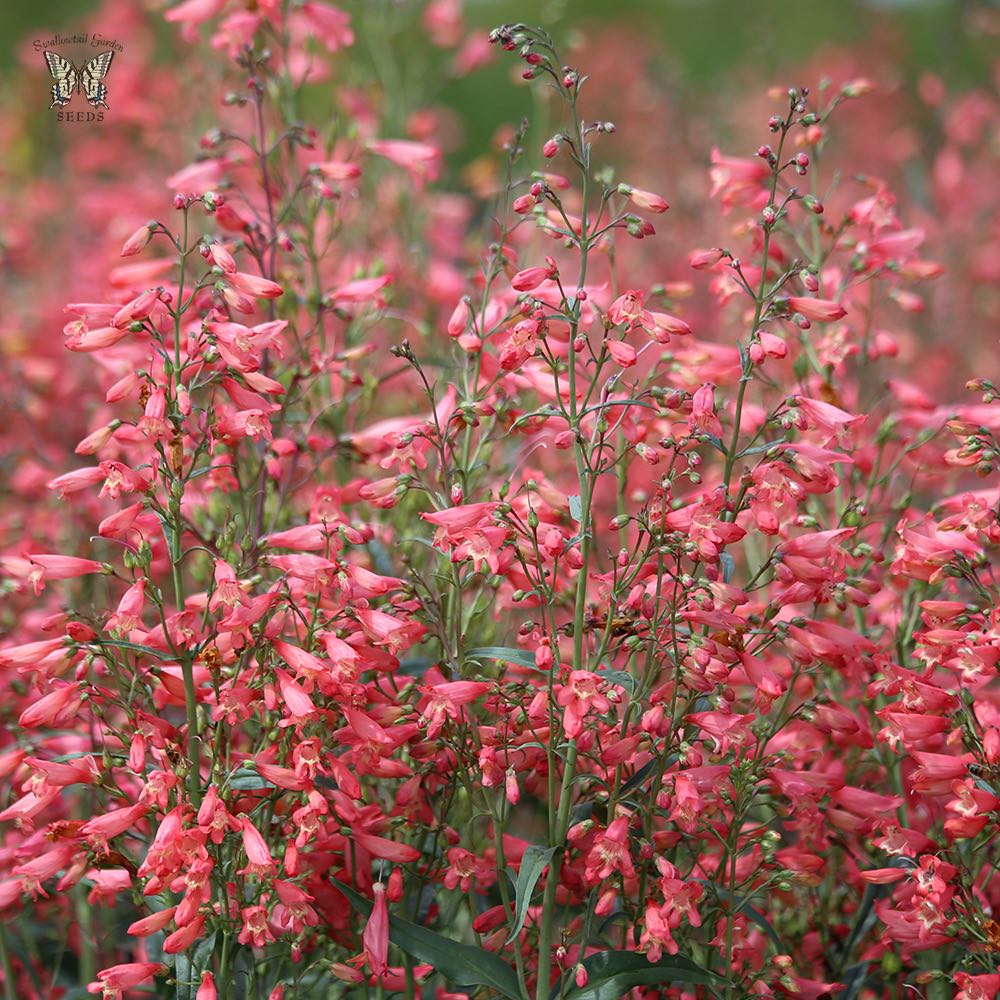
x=657 y=936
x=582 y=694
x=442 y=702
x=113 y=981
x=101 y=829
x=255 y=930
x=628 y=310
x=832 y=424
x=128 y=615
x=610 y=853
x=984 y=987
x=294 y=912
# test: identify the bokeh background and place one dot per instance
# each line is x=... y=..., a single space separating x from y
x=697 y=47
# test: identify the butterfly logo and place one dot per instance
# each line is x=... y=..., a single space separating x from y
x=71 y=79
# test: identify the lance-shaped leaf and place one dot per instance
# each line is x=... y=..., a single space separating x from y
x=189 y=965
x=611 y=974
x=507 y=654
x=533 y=864
x=461 y=964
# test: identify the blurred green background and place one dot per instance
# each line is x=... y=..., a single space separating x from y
x=706 y=45
x=704 y=36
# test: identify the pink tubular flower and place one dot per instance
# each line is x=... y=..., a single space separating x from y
x=362 y=290
x=137 y=241
x=657 y=935
x=338 y=170
x=702 y=260
x=75 y=481
x=128 y=615
x=421 y=160
x=643 y=199
x=581 y=695
x=664 y=326
x=299 y=705
x=376 y=933
x=254 y=285
x=703 y=410
x=207 y=990
x=184 y=936
x=255 y=930
x=520 y=345
x=834 y=424
x=628 y=310
x=329 y=24
x=101 y=829
x=985 y=987
x=531 y=277
x=57 y=567
x=294 y=911
x=623 y=355
x=53 y=708
x=138 y=309
x=259 y=860
x=819 y=310
x=388 y=850
x=442 y=702
x=610 y=853
x=112 y=982
x=153 y=923
x=740 y=180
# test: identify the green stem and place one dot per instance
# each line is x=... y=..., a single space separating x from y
x=734 y=440
x=8 y=968
x=177 y=528
x=561 y=826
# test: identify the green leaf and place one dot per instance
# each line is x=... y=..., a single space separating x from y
x=854 y=978
x=641 y=775
x=461 y=964
x=620 y=678
x=507 y=654
x=533 y=863
x=611 y=974
x=416 y=666
x=984 y=786
x=189 y=965
x=575 y=508
x=728 y=566
x=617 y=402
x=865 y=916
x=380 y=558
x=168 y=531
x=136 y=648
x=245 y=779
x=757 y=449
x=741 y=904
